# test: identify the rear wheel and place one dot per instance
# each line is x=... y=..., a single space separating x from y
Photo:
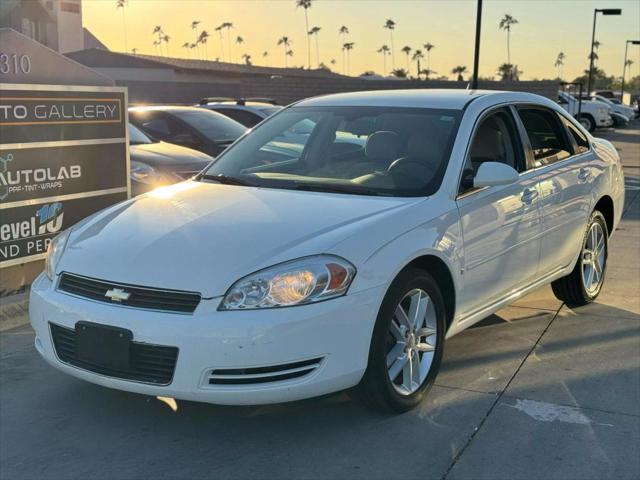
x=584 y=283
x=407 y=344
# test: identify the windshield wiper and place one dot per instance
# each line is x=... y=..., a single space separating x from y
x=348 y=189
x=227 y=180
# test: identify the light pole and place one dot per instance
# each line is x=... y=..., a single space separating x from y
x=476 y=57
x=603 y=11
x=624 y=66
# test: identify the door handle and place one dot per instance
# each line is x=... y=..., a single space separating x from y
x=584 y=174
x=529 y=195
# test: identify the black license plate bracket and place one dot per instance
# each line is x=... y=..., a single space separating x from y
x=103 y=345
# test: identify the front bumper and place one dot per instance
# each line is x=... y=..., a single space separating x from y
x=338 y=331
x=604 y=121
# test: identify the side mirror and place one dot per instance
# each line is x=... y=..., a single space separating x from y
x=491 y=174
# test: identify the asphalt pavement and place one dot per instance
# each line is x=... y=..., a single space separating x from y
x=537 y=390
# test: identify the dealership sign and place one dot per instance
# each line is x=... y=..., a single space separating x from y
x=63 y=156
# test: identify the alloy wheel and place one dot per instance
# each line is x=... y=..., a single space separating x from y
x=411 y=341
x=593 y=259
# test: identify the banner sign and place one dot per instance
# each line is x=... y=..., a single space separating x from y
x=63 y=156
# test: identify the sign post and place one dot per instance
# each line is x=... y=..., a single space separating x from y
x=63 y=156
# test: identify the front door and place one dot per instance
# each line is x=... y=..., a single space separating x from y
x=501 y=225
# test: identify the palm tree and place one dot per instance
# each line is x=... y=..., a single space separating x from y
x=239 y=41
x=202 y=38
x=134 y=50
x=219 y=29
x=559 y=64
x=391 y=26
x=344 y=31
x=228 y=26
x=121 y=4
x=459 y=70
x=509 y=72
x=348 y=47
x=594 y=53
x=306 y=4
x=417 y=56
x=285 y=42
x=505 y=24
x=265 y=55
x=384 y=50
x=157 y=30
x=165 y=39
x=427 y=73
x=406 y=50
x=315 y=31
x=247 y=58
x=288 y=53
x=194 y=27
x=427 y=48
x=399 y=72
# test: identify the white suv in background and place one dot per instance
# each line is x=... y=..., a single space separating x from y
x=592 y=114
x=618 y=108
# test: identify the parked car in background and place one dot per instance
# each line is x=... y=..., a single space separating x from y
x=155 y=163
x=592 y=114
x=411 y=215
x=191 y=127
x=618 y=108
x=247 y=111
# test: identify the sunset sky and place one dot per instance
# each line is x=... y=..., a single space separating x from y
x=545 y=28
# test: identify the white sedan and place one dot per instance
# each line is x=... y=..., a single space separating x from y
x=269 y=279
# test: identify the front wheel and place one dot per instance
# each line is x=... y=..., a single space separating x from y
x=587 y=122
x=407 y=344
x=584 y=283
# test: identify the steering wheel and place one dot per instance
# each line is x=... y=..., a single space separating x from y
x=413 y=168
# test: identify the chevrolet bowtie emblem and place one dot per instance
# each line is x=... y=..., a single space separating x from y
x=117 y=294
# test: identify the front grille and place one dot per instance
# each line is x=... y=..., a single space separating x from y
x=140 y=297
x=149 y=363
x=272 y=373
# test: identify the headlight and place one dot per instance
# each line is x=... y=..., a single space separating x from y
x=54 y=253
x=143 y=173
x=603 y=111
x=297 y=282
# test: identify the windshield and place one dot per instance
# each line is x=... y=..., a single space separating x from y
x=361 y=150
x=212 y=125
x=270 y=110
x=136 y=137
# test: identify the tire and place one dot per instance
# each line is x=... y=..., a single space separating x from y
x=376 y=388
x=575 y=289
x=587 y=122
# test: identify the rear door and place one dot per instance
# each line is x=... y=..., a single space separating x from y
x=565 y=173
x=500 y=225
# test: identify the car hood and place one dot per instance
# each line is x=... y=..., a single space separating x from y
x=202 y=237
x=161 y=154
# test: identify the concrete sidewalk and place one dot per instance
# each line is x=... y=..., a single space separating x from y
x=536 y=391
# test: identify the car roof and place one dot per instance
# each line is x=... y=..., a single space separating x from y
x=163 y=108
x=422 y=98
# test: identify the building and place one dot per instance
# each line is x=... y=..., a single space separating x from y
x=56 y=24
x=157 y=79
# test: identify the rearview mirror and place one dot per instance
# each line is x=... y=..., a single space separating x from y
x=491 y=174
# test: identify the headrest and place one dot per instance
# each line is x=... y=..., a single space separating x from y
x=382 y=146
x=488 y=143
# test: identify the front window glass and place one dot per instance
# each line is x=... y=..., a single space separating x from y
x=212 y=125
x=136 y=137
x=545 y=134
x=361 y=150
